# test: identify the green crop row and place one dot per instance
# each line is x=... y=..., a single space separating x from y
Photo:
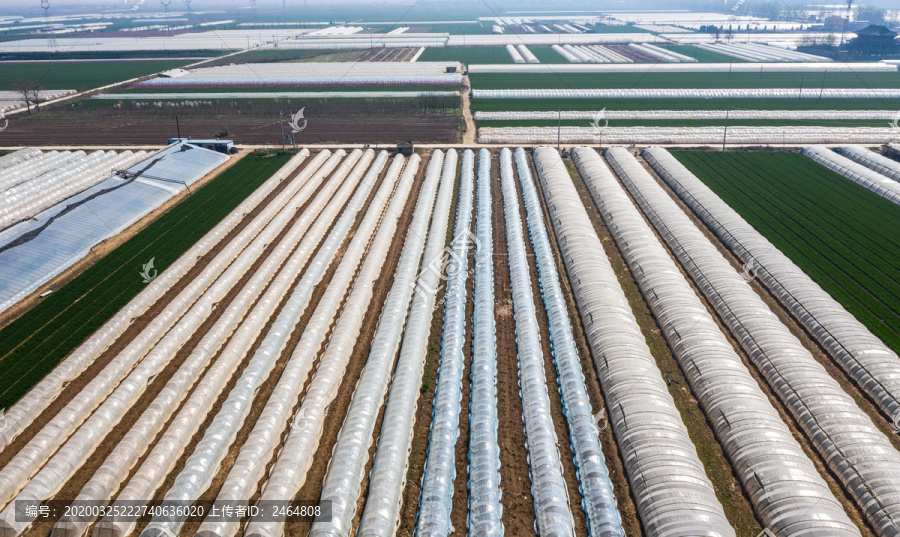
x=466 y=55
x=81 y=76
x=529 y=105
x=838 y=232
x=32 y=345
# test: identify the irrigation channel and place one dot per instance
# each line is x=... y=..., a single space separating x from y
x=488 y=342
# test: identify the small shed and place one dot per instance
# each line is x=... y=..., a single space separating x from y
x=405 y=148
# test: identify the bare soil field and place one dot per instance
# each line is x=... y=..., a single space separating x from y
x=247 y=122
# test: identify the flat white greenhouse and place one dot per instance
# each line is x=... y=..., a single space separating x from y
x=684 y=93
x=314 y=73
x=590 y=115
x=748 y=67
x=770 y=136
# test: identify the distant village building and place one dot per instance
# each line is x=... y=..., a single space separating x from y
x=874 y=39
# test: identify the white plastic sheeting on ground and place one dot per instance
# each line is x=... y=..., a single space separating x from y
x=548 y=487
x=249 y=466
x=774 y=136
x=684 y=93
x=607 y=54
x=273 y=346
x=436 y=496
x=31 y=197
x=756 y=52
x=527 y=54
x=127 y=452
x=381 y=515
x=367 y=41
x=146 y=362
x=204 y=462
x=880 y=164
x=681 y=67
x=335 y=30
x=343 y=482
x=856 y=451
x=276 y=95
x=598 y=498
x=583 y=54
x=251 y=463
x=561 y=51
x=485 y=510
x=29 y=169
x=20 y=155
x=289 y=471
x=661 y=53
x=38 y=249
x=314 y=74
x=589 y=115
x=514 y=54
x=859 y=174
x=784 y=487
x=307 y=427
x=20 y=415
x=672 y=493
x=860 y=353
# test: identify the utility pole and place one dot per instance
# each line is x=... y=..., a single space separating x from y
x=725 y=136
x=281 y=122
x=166 y=4
x=846 y=22
x=293 y=142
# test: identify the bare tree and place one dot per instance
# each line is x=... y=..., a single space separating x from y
x=35 y=92
x=30 y=91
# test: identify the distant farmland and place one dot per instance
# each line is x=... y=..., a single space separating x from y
x=842 y=235
x=466 y=55
x=81 y=76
